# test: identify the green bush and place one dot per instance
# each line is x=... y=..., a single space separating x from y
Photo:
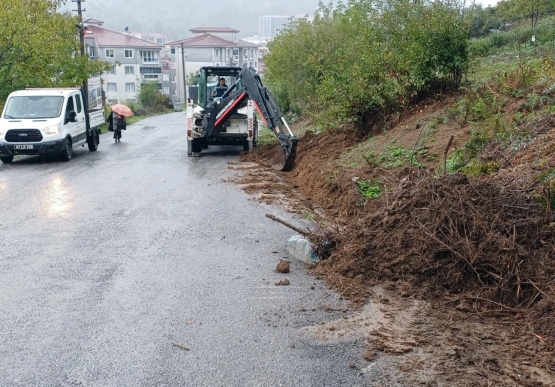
x=363 y=60
x=370 y=189
x=150 y=100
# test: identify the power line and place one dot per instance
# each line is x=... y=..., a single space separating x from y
x=108 y=14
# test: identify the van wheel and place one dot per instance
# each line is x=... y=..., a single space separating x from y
x=68 y=150
x=93 y=141
x=6 y=159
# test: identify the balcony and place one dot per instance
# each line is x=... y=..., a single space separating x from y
x=150 y=60
x=151 y=78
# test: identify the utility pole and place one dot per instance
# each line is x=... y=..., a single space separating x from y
x=184 y=74
x=82 y=42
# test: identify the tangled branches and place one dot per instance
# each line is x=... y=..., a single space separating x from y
x=485 y=240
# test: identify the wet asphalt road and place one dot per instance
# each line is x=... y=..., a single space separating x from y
x=116 y=263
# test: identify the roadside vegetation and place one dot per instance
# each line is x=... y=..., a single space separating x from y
x=474 y=62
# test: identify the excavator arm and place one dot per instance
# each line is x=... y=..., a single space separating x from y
x=249 y=85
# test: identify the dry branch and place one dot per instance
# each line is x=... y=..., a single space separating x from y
x=300 y=231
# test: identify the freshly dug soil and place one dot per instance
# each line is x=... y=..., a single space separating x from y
x=479 y=252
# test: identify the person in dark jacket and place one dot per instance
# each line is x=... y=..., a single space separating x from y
x=110 y=121
x=220 y=90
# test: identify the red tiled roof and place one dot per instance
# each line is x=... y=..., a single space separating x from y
x=204 y=30
x=209 y=40
x=109 y=38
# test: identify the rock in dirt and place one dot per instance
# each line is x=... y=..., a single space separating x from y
x=283 y=282
x=283 y=266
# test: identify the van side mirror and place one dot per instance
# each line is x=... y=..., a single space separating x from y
x=72 y=117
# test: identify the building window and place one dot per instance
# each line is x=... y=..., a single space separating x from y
x=110 y=53
x=129 y=70
x=159 y=40
x=112 y=86
x=166 y=90
x=151 y=76
x=111 y=71
x=112 y=101
x=151 y=70
x=130 y=87
x=132 y=100
x=128 y=53
x=92 y=52
x=149 y=56
x=166 y=77
x=172 y=50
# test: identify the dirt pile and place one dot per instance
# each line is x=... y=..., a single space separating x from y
x=480 y=251
x=486 y=241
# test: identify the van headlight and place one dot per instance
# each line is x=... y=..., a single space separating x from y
x=52 y=129
x=1 y=132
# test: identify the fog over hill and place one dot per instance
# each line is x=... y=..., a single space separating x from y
x=176 y=18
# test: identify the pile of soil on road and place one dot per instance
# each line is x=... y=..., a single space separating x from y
x=482 y=248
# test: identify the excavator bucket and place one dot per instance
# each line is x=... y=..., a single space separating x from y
x=284 y=160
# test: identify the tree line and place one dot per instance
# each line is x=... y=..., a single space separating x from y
x=364 y=60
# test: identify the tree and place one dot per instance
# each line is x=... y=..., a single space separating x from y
x=526 y=9
x=40 y=47
x=365 y=59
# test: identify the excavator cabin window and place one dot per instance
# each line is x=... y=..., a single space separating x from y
x=209 y=81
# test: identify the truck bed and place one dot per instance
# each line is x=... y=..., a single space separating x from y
x=96 y=118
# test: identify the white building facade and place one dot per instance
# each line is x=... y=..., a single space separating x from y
x=208 y=49
x=271 y=25
x=139 y=62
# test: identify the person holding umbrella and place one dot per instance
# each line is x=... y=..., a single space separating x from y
x=117 y=122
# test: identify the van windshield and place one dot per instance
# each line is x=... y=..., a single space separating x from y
x=34 y=107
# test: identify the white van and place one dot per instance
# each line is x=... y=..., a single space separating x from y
x=47 y=121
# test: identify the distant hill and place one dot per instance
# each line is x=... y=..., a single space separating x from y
x=176 y=18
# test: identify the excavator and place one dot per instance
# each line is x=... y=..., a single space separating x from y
x=231 y=120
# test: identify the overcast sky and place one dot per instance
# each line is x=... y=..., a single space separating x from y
x=177 y=17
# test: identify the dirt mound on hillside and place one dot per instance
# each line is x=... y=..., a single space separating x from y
x=490 y=243
x=481 y=251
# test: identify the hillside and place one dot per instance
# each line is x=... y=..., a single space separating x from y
x=461 y=262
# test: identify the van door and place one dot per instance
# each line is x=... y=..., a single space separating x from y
x=72 y=127
x=82 y=127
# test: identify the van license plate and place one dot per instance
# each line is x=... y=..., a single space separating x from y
x=23 y=147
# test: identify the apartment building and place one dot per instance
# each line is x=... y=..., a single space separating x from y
x=136 y=61
x=271 y=25
x=211 y=46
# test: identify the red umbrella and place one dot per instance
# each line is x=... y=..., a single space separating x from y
x=122 y=110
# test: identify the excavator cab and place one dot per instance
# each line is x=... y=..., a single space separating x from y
x=209 y=79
